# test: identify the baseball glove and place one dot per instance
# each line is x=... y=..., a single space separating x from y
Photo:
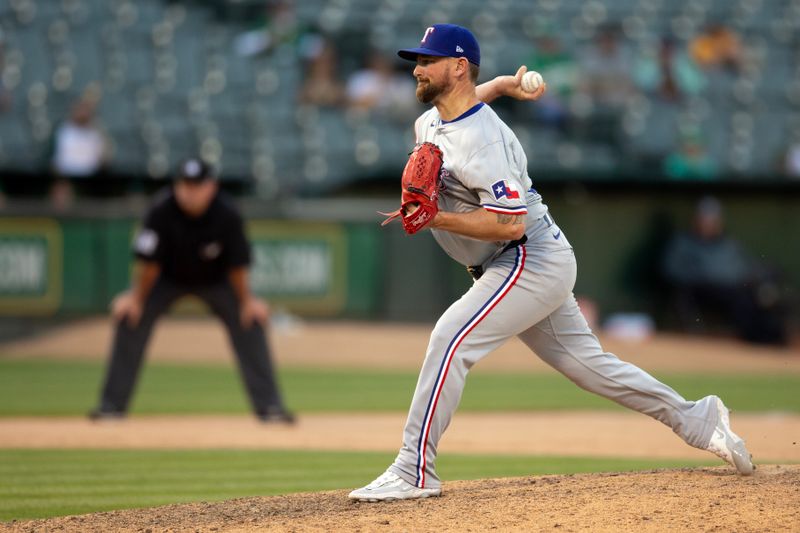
x=420 y=185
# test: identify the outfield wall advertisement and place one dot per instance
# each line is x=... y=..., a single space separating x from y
x=75 y=266
x=30 y=266
x=301 y=266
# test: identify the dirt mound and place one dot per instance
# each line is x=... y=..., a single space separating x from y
x=702 y=499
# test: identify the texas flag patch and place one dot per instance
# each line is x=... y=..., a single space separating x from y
x=505 y=189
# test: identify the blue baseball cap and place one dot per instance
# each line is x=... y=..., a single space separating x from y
x=446 y=40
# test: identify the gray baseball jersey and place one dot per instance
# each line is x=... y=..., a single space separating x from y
x=525 y=291
x=484 y=166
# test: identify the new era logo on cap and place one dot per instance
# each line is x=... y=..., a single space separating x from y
x=446 y=40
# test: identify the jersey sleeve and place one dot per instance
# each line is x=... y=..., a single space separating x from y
x=490 y=174
x=149 y=243
x=238 y=247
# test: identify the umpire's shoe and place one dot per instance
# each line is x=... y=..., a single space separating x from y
x=389 y=487
x=101 y=414
x=727 y=444
x=276 y=414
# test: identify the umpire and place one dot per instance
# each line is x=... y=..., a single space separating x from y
x=192 y=242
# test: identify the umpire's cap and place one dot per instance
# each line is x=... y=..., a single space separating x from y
x=194 y=169
x=446 y=40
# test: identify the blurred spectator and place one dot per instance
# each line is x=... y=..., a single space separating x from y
x=560 y=71
x=717 y=46
x=5 y=102
x=276 y=27
x=668 y=72
x=321 y=86
x=791 y=160
x=80 y=148
x=606 y=85
x=691 y=160
x=708 y=270
x=379 y=87
x=5 y=94
x=606 y=71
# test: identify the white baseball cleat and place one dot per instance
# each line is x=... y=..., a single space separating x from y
x=728 y=445
x=389 y=487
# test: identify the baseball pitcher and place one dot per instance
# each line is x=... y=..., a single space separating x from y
x=467 y=181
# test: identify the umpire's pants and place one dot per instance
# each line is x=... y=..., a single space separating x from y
x=249 y=344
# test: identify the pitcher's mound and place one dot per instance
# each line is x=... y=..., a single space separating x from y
x=699 y=499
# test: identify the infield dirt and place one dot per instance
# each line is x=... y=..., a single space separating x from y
x=394 y=346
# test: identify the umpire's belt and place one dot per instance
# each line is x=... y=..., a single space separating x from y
x=477 y=271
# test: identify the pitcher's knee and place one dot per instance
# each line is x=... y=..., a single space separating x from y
x=441 y=337
x=447 y=343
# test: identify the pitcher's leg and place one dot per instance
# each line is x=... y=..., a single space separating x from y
x=565 y=341
x=504 y=302
x=452 y=351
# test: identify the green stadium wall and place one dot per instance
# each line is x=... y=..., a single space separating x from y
x=70 y=266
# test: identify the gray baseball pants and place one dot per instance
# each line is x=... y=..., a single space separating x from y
x=527 y=292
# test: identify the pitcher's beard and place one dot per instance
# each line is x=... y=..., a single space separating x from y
x=428 y=92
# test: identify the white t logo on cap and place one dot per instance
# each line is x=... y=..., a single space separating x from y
x=427 y=32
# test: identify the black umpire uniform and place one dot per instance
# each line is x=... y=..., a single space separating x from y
x=195 y=255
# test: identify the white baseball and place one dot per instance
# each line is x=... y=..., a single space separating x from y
x=531 y=81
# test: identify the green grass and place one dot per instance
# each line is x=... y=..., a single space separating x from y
x=44 y=483
x=40 y=387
